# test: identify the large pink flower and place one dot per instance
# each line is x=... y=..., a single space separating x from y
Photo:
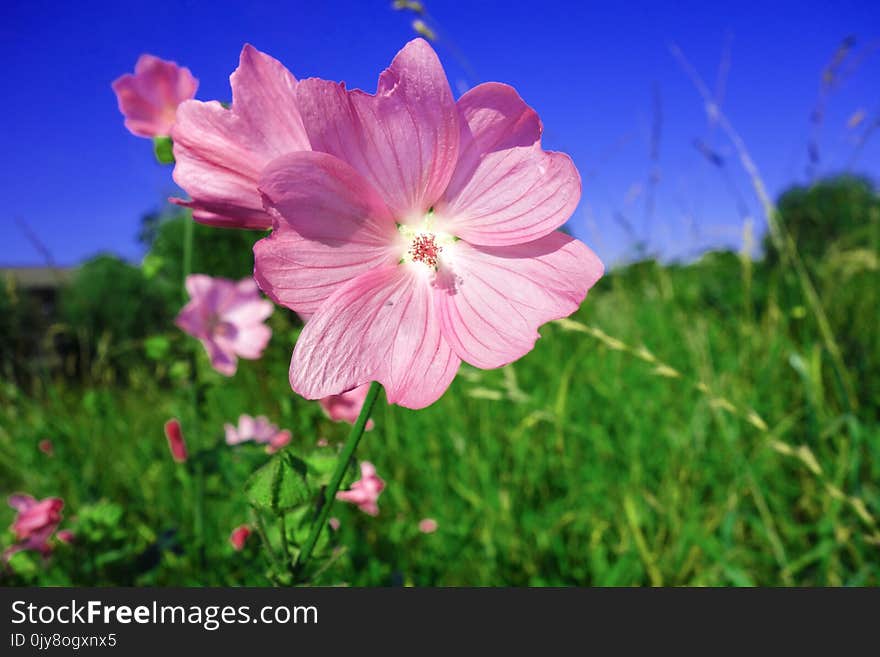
x=418 y=232
x=35 y=523
x=365 y=491
x=149 y=98
x=220 y=152
x=227 y=317
x=347 y=406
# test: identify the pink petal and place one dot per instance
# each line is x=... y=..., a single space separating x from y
x=347 y=406
x=219 y=152
x=250 y=342
x=222 y=355
x=381 y=327
x=239 y=537
x=331 y=226
x=514 y=196
x=278 y=441
x=176 y=443
x=427 y=525
x=149 y=98
x=403 y=139
x=232 y=435
x=492 y=300
x=493 y=118
x=21 y=502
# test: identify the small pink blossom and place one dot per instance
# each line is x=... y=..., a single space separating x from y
x=35 y=523
x=427 y=525
x=46 y=447
x=65 y=536
x=227 y=317
x=176 y=443
x=239 y=536
x=415 y=232
x=259 y=430
x=334 y=524
x=149 y=98
x=365 y=491
x=347 y=406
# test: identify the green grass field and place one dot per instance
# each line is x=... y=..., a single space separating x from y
x=686 y=427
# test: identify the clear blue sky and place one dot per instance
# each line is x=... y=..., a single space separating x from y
x=81 y=181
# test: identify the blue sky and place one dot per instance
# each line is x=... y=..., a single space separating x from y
x=593 y=71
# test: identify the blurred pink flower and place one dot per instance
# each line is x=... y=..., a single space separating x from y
x=65 y=536
x=334 y=524
x=46 y=447
x=347 y=406
x=258 y=429
x=427 y=525
x=239 y=536
x=220 y=152
x=227 y=317
x=176 y=443
x=365 y=491
x=418 y=232
x=149 y=98
x=35 y=523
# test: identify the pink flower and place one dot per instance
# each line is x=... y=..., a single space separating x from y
x=239 y=536
x=258 y=429
x=347 y=406
x=149 y=98
x=334 y=524
x=175 y=440
x=278 y=441
x=65 y=536
x=220 y=152
x=34 y=524
x=365 y=491
x=418 y=232
x=427 y=525
x=46 y=447
x=228 y=319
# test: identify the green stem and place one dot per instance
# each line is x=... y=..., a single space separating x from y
x=199 y=471
x=354 y=437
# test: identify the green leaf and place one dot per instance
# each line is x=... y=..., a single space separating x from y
x=162 y=147
x=280 y=485
x=157 y=347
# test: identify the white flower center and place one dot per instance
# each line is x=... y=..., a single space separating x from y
x=424 y=244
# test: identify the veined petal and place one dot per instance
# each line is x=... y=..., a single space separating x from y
x=513 y=196
x=403 y=140
x=381 y=327
x=491 y=300
x=220 y=152
x=492 y=117
x=331 y=226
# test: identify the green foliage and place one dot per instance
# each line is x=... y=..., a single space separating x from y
x=109 y=307
x=163 y=148
x=686 y=428
x=281 y=485
x=841 y=211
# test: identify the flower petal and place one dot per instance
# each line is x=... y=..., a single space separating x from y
x=381 y=327
x=491 y=300
x=220 y=152
x=514 y=196
x=331 y=226
x=403 y=139
x=493 y=118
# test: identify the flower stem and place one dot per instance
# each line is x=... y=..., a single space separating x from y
x=354 y=437
x=199 y=507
